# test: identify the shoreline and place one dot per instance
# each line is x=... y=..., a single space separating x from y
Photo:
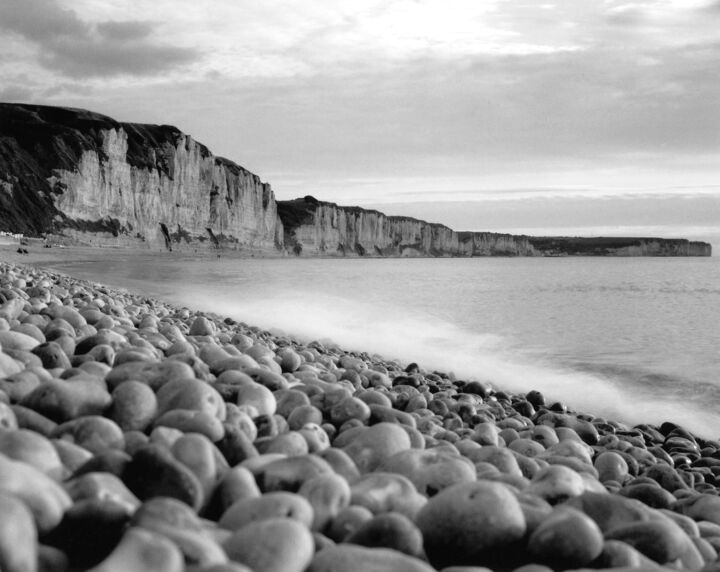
x=222 y=416
x=153 y=268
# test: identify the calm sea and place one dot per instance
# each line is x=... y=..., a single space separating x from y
x=635 y=339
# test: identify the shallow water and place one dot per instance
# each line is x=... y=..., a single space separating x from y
x=629 y=338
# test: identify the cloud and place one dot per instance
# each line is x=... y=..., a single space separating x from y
x=627 y=15
x=712 y=7
x=124 y=31
x=15 y=94
x=77 y=49
x=40 y=20
x=87 y=58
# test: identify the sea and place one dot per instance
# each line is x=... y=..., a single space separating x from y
x=631 y=339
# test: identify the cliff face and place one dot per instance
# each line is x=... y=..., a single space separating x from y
x=78 y=174
x=618 y=246
x=103 y=182
x=318 y=228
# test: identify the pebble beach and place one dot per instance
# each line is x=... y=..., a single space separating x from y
x=137 y=435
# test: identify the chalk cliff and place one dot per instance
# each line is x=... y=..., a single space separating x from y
x=316 y=228
x=84 y=175
x=74 y=174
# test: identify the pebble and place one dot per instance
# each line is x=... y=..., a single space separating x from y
x=471 y=523
x=363 y=559
x=18 y=536
x=658 y=540
x=134 y=406
x=269 y=505
x=372 y=445
x=154 y=471
x=141 y=549
x=139 y=436
x=256 y=545
x=389 y=530
x=566 y=539
x=328 y=494
x=32 y=448
x=45 y=498
x=89 y=531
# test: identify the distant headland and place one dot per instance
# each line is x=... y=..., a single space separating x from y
x=74 y=176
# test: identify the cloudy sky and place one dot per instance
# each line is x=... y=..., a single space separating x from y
x=548 y=117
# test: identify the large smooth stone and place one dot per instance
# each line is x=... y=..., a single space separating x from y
x=272 y=545
x=198 y=454
x=291 y=443
x=289 y=474
x=102 y=487
x=566 y=539
x=372 y=445
x=19 y=385
x=362 y=559
x=32 y=420
x=611 y=467
x=328 y=494
x=144 y=550
x=430 y=470
x=89 y=531
x=385 y=492
x=44 y=497
x=471 y=523
x=701 y=507
x=236 y=446
x=347 y=521
x=134 y=405
x=190 y=394
x=658 y=540
x=178 y=522
x=610 y=511
x=9 y=366
x=52 y=355
x=341 y=463
x=501 y=457
x=189 y=421
x=269 y=505
x=62 y=400
x=667 y=477
x=32 y=448
x=72 y=456
x=390 y=530
x=154 y=471
x=13 y=340
x=652 y=495
x=18 y=536
x=93 y=433
x=257 y=396
x=238 y=483
x=155 y=374
x=556 y=483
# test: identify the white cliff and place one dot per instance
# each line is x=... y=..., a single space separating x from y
x=195 y=196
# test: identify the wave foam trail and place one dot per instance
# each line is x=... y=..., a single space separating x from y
x=408 y=335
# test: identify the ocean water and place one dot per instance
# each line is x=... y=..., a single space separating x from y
x=633 y=339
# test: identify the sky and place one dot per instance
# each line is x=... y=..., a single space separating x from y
x=544 y=117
